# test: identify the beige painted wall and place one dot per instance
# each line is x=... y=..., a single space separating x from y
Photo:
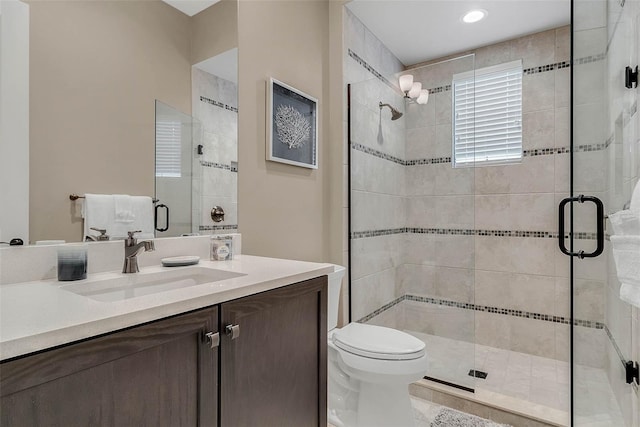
x=283 y=210
x=214 y=30
x=96 y=70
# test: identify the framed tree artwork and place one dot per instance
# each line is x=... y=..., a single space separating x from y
x=292 y=121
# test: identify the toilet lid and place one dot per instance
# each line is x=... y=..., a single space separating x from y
x=378 y=342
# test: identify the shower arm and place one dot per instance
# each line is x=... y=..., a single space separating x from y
x=395 y=114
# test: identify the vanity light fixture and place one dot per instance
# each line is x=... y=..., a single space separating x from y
x=413 y=90
x=474 y=16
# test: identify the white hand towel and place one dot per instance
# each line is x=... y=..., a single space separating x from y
x=143 y=212
x=142 y=209
x=626 y=254
x=123 y=205
x=625 y=223
x=98 y=212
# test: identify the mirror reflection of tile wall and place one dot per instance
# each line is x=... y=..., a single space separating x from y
x=215 y=105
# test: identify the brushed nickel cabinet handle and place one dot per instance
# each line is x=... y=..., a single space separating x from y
x=213 y=338
x=232 y=331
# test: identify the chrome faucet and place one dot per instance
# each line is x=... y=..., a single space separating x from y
x=131 y=250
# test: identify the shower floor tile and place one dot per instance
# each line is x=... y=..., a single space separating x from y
x=524 y=378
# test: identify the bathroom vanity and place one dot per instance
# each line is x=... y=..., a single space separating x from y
x=246 y=350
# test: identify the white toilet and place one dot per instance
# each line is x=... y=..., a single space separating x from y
x=370 y=369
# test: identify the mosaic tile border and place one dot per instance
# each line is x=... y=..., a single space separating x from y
x=615 y=345
x=548 y=67
x=433 y=161
x=626 y=118
x=487 y=309
x=369 y=68
x=218 y=104
x=469 y=232
x=439 y=89
x=526 y=71
x=381 y=310
x=231 y=168
x=610 y=140
x=217 y=227
x=439 y=160
x=377 y=153
x=376 y=233
x=545 y=151
x=589 y=59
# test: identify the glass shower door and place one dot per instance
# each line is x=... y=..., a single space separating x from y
x=177 y=172
x=606 y=165
x=412 y=219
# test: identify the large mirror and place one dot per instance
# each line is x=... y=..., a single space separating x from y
x=102 y=75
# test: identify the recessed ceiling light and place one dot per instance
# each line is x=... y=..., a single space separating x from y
x=474 y=16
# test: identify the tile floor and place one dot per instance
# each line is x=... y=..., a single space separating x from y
x=525 y=377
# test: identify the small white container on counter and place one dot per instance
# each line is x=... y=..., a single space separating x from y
x=221 y=248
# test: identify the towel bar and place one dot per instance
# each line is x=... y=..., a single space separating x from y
x=625 y=207
x=74 y=196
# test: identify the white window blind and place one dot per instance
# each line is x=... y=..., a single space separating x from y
x=168 y=149
x=487 y=111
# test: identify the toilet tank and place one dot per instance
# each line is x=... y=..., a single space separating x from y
x=335 y=284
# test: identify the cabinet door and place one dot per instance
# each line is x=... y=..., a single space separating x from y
x=160 y=374
x=274 y=372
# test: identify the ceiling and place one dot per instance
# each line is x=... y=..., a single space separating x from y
x=421 y=30
x=224 y=65
x=191 y=7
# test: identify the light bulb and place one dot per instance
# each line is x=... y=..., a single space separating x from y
x=405 y=81
x=424 y=96
x=415 y=90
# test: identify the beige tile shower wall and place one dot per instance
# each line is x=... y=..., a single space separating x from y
x=217 y=186
x=622 y=125
x=376 y=184
x=518 y=273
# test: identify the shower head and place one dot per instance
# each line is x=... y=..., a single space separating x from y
x=395 y=114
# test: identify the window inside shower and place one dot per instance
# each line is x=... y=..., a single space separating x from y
x=487 y=115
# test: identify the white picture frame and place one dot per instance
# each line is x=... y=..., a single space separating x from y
x=292 y=126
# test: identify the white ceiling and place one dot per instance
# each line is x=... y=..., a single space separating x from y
x=191 y=7
x=420 y=30
x=224 y=65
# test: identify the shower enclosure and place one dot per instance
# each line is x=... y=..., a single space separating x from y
x=465 y=252
x=177 y=172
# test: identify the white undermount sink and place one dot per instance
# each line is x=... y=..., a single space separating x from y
x=134 y=285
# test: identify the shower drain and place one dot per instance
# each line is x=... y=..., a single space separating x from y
x=478 y=374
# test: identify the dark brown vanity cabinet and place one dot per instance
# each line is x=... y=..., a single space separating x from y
x=274 y=372
x=268 y=369
x=159 y=374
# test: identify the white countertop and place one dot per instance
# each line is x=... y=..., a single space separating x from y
x=38 y=315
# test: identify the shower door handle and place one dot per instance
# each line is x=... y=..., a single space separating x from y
x=599 y=222
x=158 y=207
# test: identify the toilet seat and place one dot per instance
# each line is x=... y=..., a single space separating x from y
x=377 y=342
